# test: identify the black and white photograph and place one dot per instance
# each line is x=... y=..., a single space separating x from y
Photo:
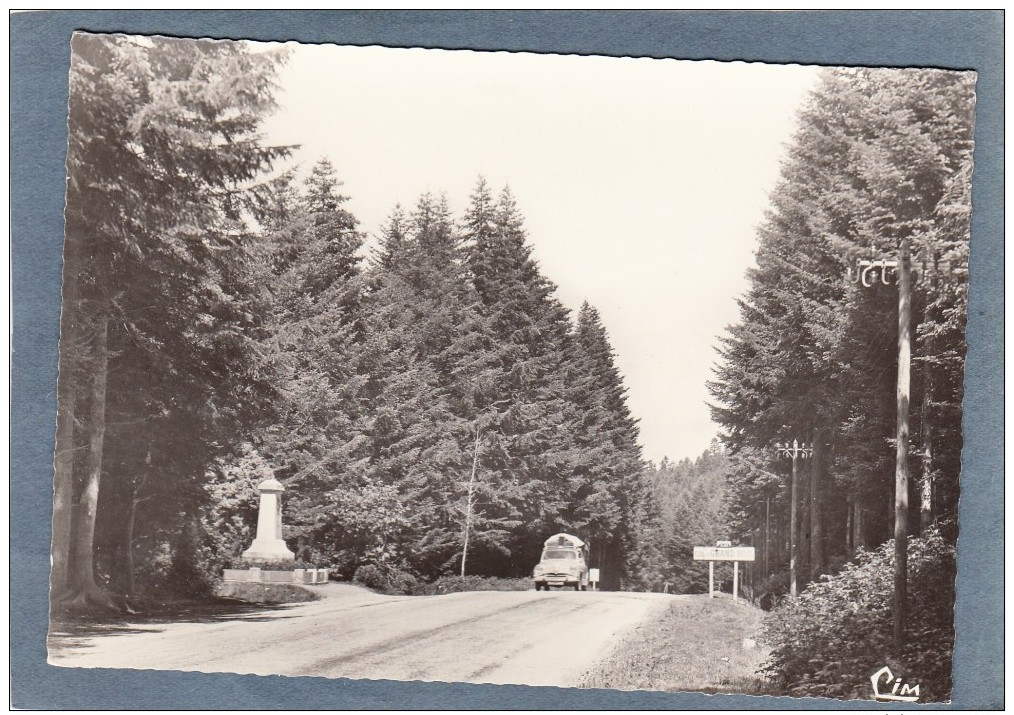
x=510 y=368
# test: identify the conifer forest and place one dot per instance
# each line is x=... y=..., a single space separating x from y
x=428 y=402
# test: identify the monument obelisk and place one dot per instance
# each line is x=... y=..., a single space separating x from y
x=269 y=545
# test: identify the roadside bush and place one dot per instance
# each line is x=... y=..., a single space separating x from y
x=391 y=580
x=770 y=591
x=403 y=582
x=458 y=584
x=838 y=632
x=371 y=576
x=386 y=579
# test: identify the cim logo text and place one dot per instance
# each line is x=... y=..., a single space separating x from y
x=887 y=687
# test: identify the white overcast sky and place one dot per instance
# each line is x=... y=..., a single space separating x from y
x=641 y=182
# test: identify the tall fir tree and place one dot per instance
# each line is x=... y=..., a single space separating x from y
x=164 y=159
x=879 y=154
x=604 y=484
x=528 y=334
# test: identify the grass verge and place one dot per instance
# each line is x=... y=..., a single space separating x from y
x=694 y=644
x=269 y=593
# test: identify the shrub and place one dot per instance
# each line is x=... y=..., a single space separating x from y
x=391 y=580
x=458 y=584
x=770 y=591
x=371 y=576
x=403 y=583
x=386 y=579
x=838 y=632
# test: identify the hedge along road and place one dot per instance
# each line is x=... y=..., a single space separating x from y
x=528 y=637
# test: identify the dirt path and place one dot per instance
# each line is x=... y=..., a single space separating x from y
x=531 y=638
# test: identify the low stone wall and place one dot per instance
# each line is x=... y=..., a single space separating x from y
x=311 y=576
x=256 y=575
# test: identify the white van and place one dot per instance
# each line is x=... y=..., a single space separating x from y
x=564 y=563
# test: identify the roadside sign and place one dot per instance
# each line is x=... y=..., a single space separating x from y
x=724 y=553
x=593 y=575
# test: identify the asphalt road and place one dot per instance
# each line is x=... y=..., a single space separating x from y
x=531 y=638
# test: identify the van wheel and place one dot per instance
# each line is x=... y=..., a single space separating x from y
x=583 y=587
x=538 y=587
x=577 y=587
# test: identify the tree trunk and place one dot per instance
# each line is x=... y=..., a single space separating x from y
x=926 y=483
x=128 y=546
x=858 y=541
x=767 y=536
x=849 y=511
x=66 y=394
x=85 y=590
x=63 y=490
x=470 y=504
x=817 y=566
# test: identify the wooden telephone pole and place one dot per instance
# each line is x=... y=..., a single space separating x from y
x=796 y=451
x=867 y=274
x=901 y=443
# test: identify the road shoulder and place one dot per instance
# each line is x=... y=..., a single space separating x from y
x=694 y=644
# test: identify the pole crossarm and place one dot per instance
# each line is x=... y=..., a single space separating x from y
x=794 y=450
x=924 y=268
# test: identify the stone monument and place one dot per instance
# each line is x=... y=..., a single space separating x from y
x=269 y=545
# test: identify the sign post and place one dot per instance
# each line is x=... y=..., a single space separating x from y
x=723 y=552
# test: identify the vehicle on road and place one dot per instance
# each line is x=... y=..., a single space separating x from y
x=564 y=564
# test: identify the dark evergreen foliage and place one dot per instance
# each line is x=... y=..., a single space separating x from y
x=879 y=155
x=160 y=318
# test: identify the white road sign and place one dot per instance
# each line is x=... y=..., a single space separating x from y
x=723 y=553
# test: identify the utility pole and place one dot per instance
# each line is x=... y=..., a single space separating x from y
x=796 y=451
x=901 y=443
x=866 y=273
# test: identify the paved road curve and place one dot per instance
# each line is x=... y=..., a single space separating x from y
x=532 y=638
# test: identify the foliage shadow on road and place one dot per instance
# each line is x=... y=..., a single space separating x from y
x=70 y=632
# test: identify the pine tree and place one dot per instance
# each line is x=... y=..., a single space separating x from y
x=528 y=337
x=604 y=484
x=687 y=507
x=879 y=154
x=428 y=376
x=163 y=159
x=314 y=339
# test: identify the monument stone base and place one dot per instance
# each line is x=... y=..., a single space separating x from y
x=269 y=550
